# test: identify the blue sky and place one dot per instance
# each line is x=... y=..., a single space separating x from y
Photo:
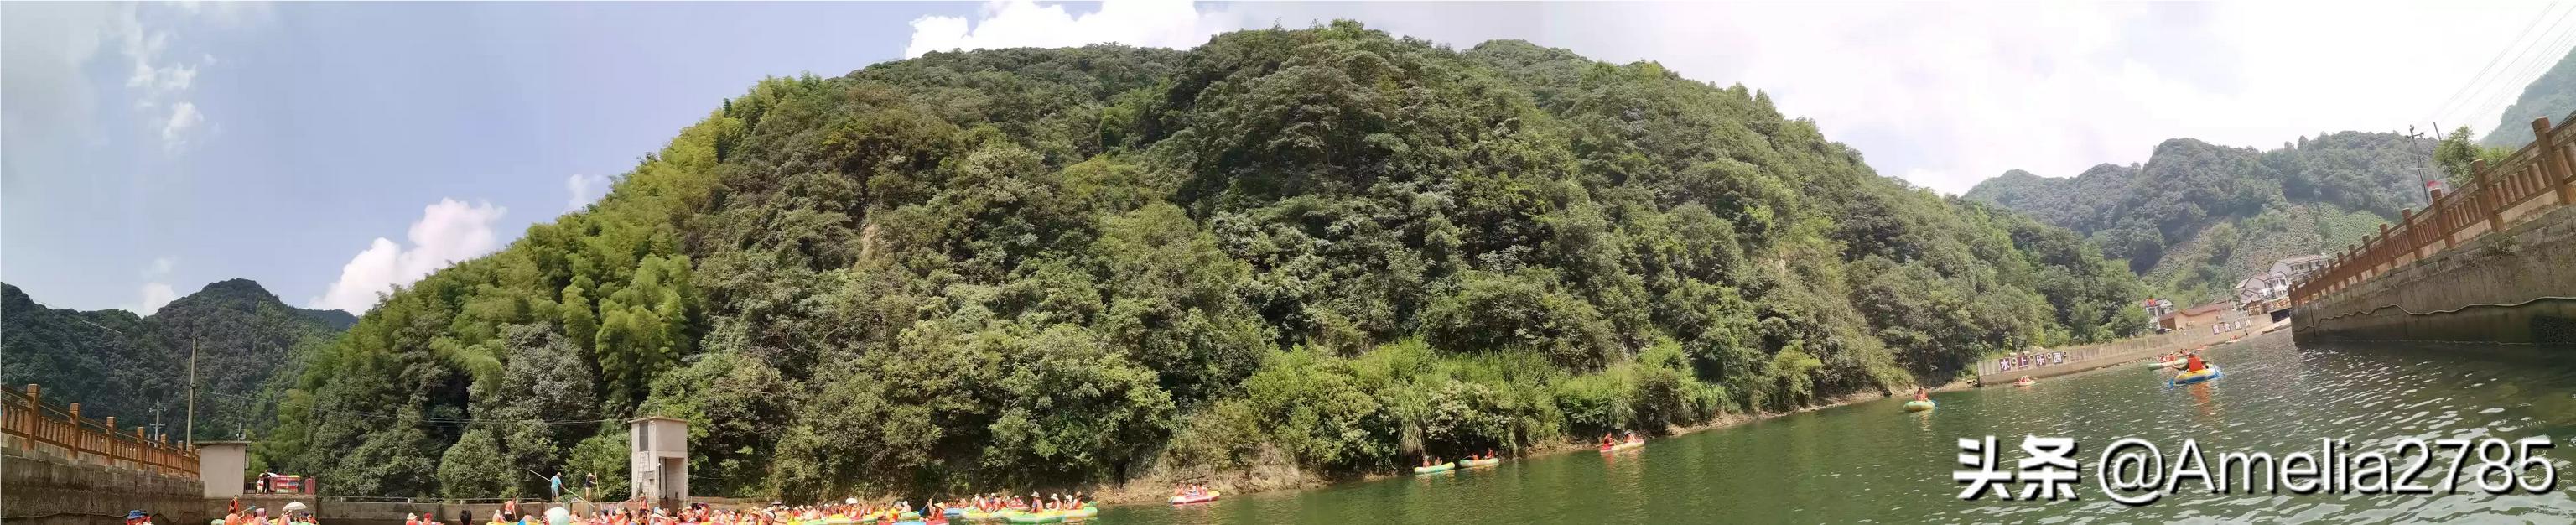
x=331 y=150
x=326 y=126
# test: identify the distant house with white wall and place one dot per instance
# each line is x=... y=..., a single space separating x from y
x=2298 y=269
x=2266 y=291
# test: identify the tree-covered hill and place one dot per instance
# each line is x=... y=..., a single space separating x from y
x=2196 y=217
x=1322 y=249
x=2552 y=95
x=117 y=364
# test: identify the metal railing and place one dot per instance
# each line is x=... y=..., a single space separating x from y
x=2534 y=178
x=28 y=424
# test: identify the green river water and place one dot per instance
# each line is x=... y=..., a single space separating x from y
x=1874 y=463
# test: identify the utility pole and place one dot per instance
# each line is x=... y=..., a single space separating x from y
x=192 y=392
x=2417 y=137
x=157 y=408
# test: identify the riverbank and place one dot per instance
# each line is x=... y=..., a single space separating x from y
x=1275 y=473
x=1278 y=475
x=1876 y=464
x=2142 y=358
x=2087 y=358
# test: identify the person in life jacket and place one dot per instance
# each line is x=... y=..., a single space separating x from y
x=2193 y=363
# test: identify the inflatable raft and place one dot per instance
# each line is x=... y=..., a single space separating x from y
x=1918 y=406
x=1435 y=469
x=2204 y=374
x=1622 y=446
x=1473 y=463
x=1043 y=516
x=1202 y=498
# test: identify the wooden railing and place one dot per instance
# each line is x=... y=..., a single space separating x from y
x=27 y=424
x=2535 y=178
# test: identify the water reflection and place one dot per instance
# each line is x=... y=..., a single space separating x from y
x=1873 y=462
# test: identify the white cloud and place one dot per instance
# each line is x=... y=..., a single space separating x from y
x=168 y=78
x=226 y=14
x=155 y=296
x=49 y=49
x=49 y=98
x=1948 y=94
x=156 y=83
x=586 y=189
x=182 y=117
x=1022 y=23
x=447 y=232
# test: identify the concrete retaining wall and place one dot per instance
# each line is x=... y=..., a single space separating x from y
x=2496 y=289
x=2096 y=356
x=40 y=488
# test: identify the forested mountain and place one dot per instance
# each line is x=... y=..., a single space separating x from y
x=1322 y=249
x=2552 y=95
x=2198 y=217
x=117 y=364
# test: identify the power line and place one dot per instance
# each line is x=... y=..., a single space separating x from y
x=425 y=419
x=2482 y=76
x=2516 y=61
x=2497 y=64
x=2528 y=70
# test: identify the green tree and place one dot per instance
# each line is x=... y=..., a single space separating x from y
x=475 y=468
x=2458 y=155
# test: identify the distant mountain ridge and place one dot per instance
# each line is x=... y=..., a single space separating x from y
x=115 y=363
x=2197 y=217
x=2552 y=95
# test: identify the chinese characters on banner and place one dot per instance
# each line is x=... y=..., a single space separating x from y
x=2029 y=361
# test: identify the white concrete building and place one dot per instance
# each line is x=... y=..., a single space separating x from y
x=659 y=466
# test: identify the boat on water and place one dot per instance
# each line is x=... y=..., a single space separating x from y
x=1434 y=469
x=2205 y=374
x=1201 y=498
x=1623 y=445
x=1919 y=405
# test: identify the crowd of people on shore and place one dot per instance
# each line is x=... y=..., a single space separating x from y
x=847 y=511
x=294 y=513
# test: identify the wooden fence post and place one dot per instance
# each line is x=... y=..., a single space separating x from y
x=2343 y=264
x=2488 y=200
x=74 y=435
x=2414 y=234
x=2381 y=255
x=2559 y=172
x=2441 y=219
